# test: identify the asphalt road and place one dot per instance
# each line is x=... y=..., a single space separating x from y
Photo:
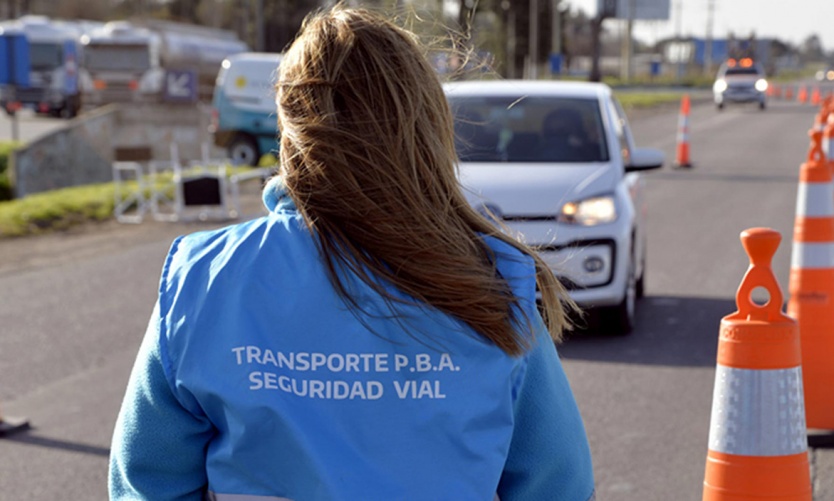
x=74 y=308
x=28 y=126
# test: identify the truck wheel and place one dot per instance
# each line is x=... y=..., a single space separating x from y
x=243 y=150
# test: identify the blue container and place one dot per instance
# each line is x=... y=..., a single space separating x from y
x=14 y=59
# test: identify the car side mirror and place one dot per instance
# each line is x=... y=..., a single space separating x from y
x=645 y=159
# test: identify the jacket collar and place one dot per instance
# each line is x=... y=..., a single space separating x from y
x=275 y=196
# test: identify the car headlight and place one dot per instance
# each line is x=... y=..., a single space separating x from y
x=830 y=75
x=719 y=86
x=589 y=212
x=761 y=85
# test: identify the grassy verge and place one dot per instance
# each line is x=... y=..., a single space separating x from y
x=56 y=210
x=631 y=100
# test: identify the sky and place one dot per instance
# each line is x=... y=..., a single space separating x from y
x=791 y=21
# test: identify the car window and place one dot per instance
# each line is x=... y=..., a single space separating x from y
x=528 y=129
x=621 y=130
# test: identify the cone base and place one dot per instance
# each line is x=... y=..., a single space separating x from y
x=686 y=165
x=9 y=426
x=820 y=438
x=747 y=478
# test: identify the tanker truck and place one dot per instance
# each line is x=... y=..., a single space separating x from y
x=153 y=61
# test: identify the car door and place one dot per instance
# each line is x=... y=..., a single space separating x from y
x=633 y=181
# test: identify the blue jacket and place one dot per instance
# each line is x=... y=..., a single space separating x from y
x=255 y=382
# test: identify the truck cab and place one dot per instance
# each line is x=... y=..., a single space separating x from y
x=54 y=67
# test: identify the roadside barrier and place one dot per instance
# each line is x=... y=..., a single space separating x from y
x=811 y=283
x=9 y=425
x=757 y=439
x=682 y=156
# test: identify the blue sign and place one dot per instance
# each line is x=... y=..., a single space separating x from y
x=555 y=63
x=180 y=86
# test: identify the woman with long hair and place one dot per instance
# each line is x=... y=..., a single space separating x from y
x=373 y=337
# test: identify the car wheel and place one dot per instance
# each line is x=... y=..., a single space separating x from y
x=243 y=150
x=67 y=112
x=762 y=105
x=619 y=320
x=640 y=286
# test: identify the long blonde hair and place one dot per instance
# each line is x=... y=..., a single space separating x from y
x=368 y=155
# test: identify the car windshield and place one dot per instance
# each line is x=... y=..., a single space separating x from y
x=117 y=57
x=528 y=129
x=45 y=56
x=741 y=71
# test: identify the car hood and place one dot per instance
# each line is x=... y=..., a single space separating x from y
x=534 y=189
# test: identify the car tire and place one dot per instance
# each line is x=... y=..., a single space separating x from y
x=762 y=105
x=243 y=150
x=640 y=286
x=619 y=320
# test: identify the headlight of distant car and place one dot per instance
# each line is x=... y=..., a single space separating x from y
x=829 y=75
x=589 y=212
x=719 y=86
x=761 y=85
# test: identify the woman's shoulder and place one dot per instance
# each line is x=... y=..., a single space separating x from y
x=509 y=256
x=516 y=267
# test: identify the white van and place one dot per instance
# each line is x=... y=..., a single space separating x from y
x=244 y=117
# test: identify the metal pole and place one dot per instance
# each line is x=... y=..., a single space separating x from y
x=259 y=25
x=708 y=51
x=627 y=48
x=556 y=29
x=511 y=43
x=534 y=39
x=678 y=21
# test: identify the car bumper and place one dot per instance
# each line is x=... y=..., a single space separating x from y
x=592 y=264
x=740 y=96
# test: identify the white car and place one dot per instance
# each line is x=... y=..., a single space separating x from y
x=740 y=81
x=556 y=163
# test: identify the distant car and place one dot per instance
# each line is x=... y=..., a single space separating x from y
x=826 y=75
x=556 y=163
x=740 y=81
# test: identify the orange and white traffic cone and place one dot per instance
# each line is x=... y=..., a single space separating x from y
x=10 y=425
x=827 y=119
x=816 y=97
x=811 y=283
x=802 y=95
x=682 y=157
x=788 y=92
x=757 y=439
